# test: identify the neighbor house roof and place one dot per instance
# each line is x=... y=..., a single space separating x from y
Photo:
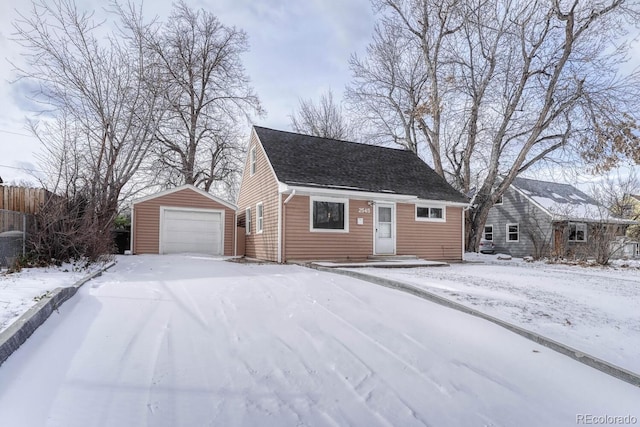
x=564 y=201
x=309 y=161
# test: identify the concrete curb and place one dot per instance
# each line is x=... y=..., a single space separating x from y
x=587 y=359
x=15 y=335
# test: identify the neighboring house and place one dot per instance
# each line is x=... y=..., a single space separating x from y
x=309 y=198
x=185 y=219
x=539 y=218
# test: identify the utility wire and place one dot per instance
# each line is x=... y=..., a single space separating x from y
x=21 y=169
x=15 y=133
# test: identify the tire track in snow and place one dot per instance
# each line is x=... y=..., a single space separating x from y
x=187 y=305
x=343 y=377
x=388 y=351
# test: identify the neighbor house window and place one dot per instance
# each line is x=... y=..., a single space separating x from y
x=252 y=159
x=247 y=221
x=329 y=214
x=488 y=232
x=577 y=232
x=259 y=220
x=430 y=213
x=499 y=201
x=513 y=233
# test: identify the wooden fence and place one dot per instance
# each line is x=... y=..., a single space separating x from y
x=22 y=199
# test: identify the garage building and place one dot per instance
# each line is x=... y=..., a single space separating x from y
x=185 y=219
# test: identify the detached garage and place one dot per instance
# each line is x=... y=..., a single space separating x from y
x=183 y=220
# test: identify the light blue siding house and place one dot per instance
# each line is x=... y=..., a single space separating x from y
x=540 y=218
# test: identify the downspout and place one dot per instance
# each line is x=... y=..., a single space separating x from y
x=279 y=232
x=284 y=216
x=131 y=233
x=235 y=233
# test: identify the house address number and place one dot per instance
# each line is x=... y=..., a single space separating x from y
x=364 y=210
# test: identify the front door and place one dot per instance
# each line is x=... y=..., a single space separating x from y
x=385 y=239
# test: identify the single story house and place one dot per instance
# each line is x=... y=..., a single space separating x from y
x=310 y=198
x=540 y=218
x=184 y=219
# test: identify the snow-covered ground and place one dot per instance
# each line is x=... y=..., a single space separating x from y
x=20 y=291
x=189 y=341
x=593 y=309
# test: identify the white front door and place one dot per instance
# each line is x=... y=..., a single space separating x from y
x=385 y=239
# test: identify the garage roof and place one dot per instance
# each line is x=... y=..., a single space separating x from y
x=186 y=187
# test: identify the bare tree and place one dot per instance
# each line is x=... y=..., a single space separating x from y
x=488 y=89
x=101 y=112
x=326 y=119
x=619 y=194
x=207 y=95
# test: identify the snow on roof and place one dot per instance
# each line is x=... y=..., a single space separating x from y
x=564 y=202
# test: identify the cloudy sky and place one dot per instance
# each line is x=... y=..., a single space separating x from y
x=298 y=49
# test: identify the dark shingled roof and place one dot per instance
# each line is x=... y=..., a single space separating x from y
x=311 y=161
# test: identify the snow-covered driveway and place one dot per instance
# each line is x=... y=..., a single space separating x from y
x=188 y=341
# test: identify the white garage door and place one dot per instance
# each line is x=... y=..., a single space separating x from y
x=195 y=231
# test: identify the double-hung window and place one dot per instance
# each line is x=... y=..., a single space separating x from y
x=252 y=160
x=259 y=219
x=488 y=232
x=247 y=221
x=577 y=232
x=513 y=232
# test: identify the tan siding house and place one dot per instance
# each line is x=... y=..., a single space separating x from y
x=183 y=219
x=310 y=198
x=260 y=186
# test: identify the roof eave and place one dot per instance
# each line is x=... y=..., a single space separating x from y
x=362 y=195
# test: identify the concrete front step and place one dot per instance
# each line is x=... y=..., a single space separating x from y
x=397 y=263
x=392 y=257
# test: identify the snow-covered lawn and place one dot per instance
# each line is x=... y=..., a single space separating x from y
x=21 y=291
x=188 y=341
x=593 y=309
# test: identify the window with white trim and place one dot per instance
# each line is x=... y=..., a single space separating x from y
x=259 y=220
x=513 y=232
x=252 y=159
x=329 y=214
x=577 y=232
x=488 y=232
x=247 y=221
x=499 y=201
x=430 y=213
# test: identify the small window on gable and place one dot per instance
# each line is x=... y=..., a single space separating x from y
x=499 y=201
x=247 y=221
x=577 y=232
x=430 y=213
x=252 y=159
x=488 y=232
x=513 y=233
x=329 y=214
x=259 y=220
